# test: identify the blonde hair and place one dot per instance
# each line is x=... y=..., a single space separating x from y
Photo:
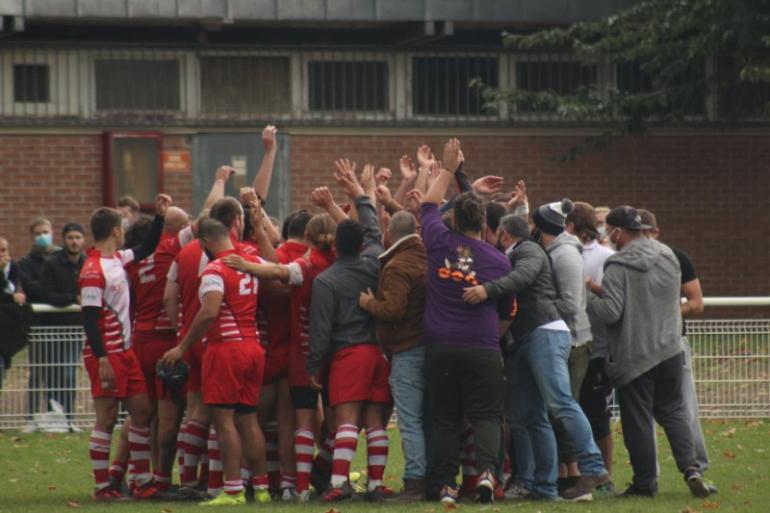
x=320 y=231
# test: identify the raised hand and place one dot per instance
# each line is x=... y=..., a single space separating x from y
x=345 y=175
x=224 y=173
x=162 y=202
x=451 y=156
x=425 y=156
x=249 y=197
x=408 y=169
x=488 y=185
x=322 y=197
x=518 y=196
x=383 y=175
x=367 y=179
x=268 y=137
x=415 y=199
x=383 y=195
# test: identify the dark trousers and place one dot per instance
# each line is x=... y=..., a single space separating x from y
x=463 y=383
x=656 y=394
x=52 y=373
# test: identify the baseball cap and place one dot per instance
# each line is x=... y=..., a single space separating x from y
x=627 y=217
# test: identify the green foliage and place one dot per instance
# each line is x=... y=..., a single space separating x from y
x=679 y=51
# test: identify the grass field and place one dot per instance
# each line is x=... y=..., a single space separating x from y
x=42 y=473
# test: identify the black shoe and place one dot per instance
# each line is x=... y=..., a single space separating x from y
x=634 y=491
x=564 y=483
x=696 y=483
x=320 y=480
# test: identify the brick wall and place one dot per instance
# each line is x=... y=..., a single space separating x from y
x=710 y=192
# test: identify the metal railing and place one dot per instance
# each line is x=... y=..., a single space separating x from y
x=731 y=365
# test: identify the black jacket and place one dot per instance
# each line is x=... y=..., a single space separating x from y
x=60 y=286
x=31 y=267
x=15 y=320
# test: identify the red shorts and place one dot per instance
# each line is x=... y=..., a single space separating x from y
x=129 y=380
x=149 y=348
x=194 y=358
x=232 y=373
x=276 y=367
x=359 y=373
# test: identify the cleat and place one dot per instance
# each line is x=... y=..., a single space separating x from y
x=696 y=483
x=448 y=495
x=145 y=492
x=303 y=497
x=262 y=496
x=342 y=493
x=289 y=495
x=485 y=488
x=225 y=499
x=107 y=494
x=379 y=494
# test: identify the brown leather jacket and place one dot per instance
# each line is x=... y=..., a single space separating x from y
x=400 y=299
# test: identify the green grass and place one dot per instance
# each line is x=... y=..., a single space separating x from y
x=44 y=473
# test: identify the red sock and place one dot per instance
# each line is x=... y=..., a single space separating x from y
x=288 y=481
x=216 y=478
x=117 y=471
x=162 y=480
x=260 y=482
x=181 y=445
x=345 y=444
x=194 y=446
x=99 y=451
x=304 y=443
x=139 y=448
x=233 y=487
x=377 y=456
x=273 y=458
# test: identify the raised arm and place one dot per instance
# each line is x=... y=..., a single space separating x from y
x=367 y=215
x=261 y=182
x=408 y=178
x=147 y=247
x=426 y=160
x=322 y=197
x=451 y=161
x=217 y=191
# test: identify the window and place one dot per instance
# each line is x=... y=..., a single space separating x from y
x=31 y=83
x=441 y=85
x=245 y=85
x=560 y=77
x=133 y=166
x=123 y=84
x=348 y=85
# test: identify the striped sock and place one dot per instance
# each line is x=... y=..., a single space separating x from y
x=194 y=447
x=117 y=471
x=181 y=446
x=99 y=451
x=216 y=478
x=245 y=476
x=139 y=448
x=260 y=482
x=233 y=487
x=271 y=453
x=162 y=480
x=304 y=443
x=377 y=456
x=288 y=481
x=345 y=444
x=204 y=474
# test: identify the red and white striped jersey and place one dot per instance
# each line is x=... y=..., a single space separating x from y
x=236 y=321
x=148 y=281
x=103 y=283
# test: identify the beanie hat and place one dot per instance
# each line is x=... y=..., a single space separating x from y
x=550 y=218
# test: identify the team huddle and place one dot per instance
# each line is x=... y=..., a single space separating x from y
x=252 y=353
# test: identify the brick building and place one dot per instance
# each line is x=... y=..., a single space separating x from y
x=101 y=98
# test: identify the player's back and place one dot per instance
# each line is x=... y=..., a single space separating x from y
x=188 y=267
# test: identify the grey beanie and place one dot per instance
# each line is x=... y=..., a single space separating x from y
x=550 y=218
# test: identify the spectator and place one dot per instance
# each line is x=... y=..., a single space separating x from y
x=564 y=251
x=601 y=225
x=398 y=309
x=691 y=291
x=639 y=302
x=463 y=365
x=31 y=268
x=596 y=391
x=129 y=210
x=60 y=283
x=12 y=298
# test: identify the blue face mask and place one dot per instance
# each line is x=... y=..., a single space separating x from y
x=43 y=240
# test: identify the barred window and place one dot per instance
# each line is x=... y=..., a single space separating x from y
x=123 y=84
x=31 y=83
x=348 y=85
x=560 y=77
x=441 y=85
x=245 y=84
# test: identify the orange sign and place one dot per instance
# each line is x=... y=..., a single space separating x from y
x=176 y=161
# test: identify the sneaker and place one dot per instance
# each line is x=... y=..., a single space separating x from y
x=711 y=486
x=342 y=493
x=499 y=492
x=583 y=487
x=289 y=495
x=145 y=492
x=485 y=488
x=262 y=496
x=379 y=494
x=634 y=491
x=107 y=494
x=516 y=492
x=696 y=483
x=303 y=497
x=448 y=495
x=225 y=499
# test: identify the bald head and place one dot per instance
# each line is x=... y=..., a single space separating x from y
x=176 y=219
x=401 y=225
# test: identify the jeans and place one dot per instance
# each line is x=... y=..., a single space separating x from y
x=656 y=395
x=407 y=384
x=540 y=384
x=54 y=365
x=691 y=406
x=463 y=383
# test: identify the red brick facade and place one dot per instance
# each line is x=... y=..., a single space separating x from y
x=710 y=192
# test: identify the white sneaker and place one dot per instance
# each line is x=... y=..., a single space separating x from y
x=304 y=496
x=74 y=428
x=289 y=495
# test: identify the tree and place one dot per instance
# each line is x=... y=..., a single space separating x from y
x=678 y=52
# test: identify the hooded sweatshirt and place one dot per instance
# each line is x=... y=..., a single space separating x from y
x=640 y=306
x=569 y=275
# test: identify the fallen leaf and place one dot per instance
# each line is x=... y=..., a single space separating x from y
x=166 y=510
x=73 y=504
x=739 y=447
x=730 y=433
x=760 y=451
x=333 y=510
x=710 y=505
x=450 y=506
x=736 y=487
x=51 y=488
x=690 y=510
x=730 y=455
x=14 y=480
x=17 y=439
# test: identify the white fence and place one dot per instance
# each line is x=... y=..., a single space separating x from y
x=731 y=364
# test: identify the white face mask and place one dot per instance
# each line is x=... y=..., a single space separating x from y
x=602 y=229
x=613 y=244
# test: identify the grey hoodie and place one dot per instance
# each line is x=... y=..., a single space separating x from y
x=569 y=275
x=640 y=306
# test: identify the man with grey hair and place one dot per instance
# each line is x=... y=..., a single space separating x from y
x=398 y=308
